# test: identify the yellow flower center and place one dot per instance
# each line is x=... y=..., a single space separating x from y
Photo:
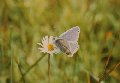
x=50 y=47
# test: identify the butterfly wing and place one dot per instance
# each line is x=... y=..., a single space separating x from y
x=71 y=34
x=63 y=45
x=73 y=48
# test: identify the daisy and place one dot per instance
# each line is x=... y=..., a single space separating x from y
x=48 y=46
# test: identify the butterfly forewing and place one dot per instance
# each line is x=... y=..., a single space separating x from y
x=71 y=34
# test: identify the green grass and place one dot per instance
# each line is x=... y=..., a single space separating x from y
x=23 y=23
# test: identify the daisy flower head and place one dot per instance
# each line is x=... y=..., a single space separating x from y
x=48 y=46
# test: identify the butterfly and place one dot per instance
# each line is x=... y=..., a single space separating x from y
x=67 y=42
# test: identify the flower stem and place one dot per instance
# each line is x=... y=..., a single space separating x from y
x=31 y=67
x=48 y=68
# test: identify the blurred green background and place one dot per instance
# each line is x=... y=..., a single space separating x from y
x=23 y=23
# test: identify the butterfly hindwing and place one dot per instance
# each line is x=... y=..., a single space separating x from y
x=73 y=48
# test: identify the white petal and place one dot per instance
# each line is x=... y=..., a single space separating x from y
x=70 y=55
x=41 y=48
x=51 y=39
x=42 y=51
x=40 y=44
x=42 y=41
x=51 y=54
x=46 y=39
